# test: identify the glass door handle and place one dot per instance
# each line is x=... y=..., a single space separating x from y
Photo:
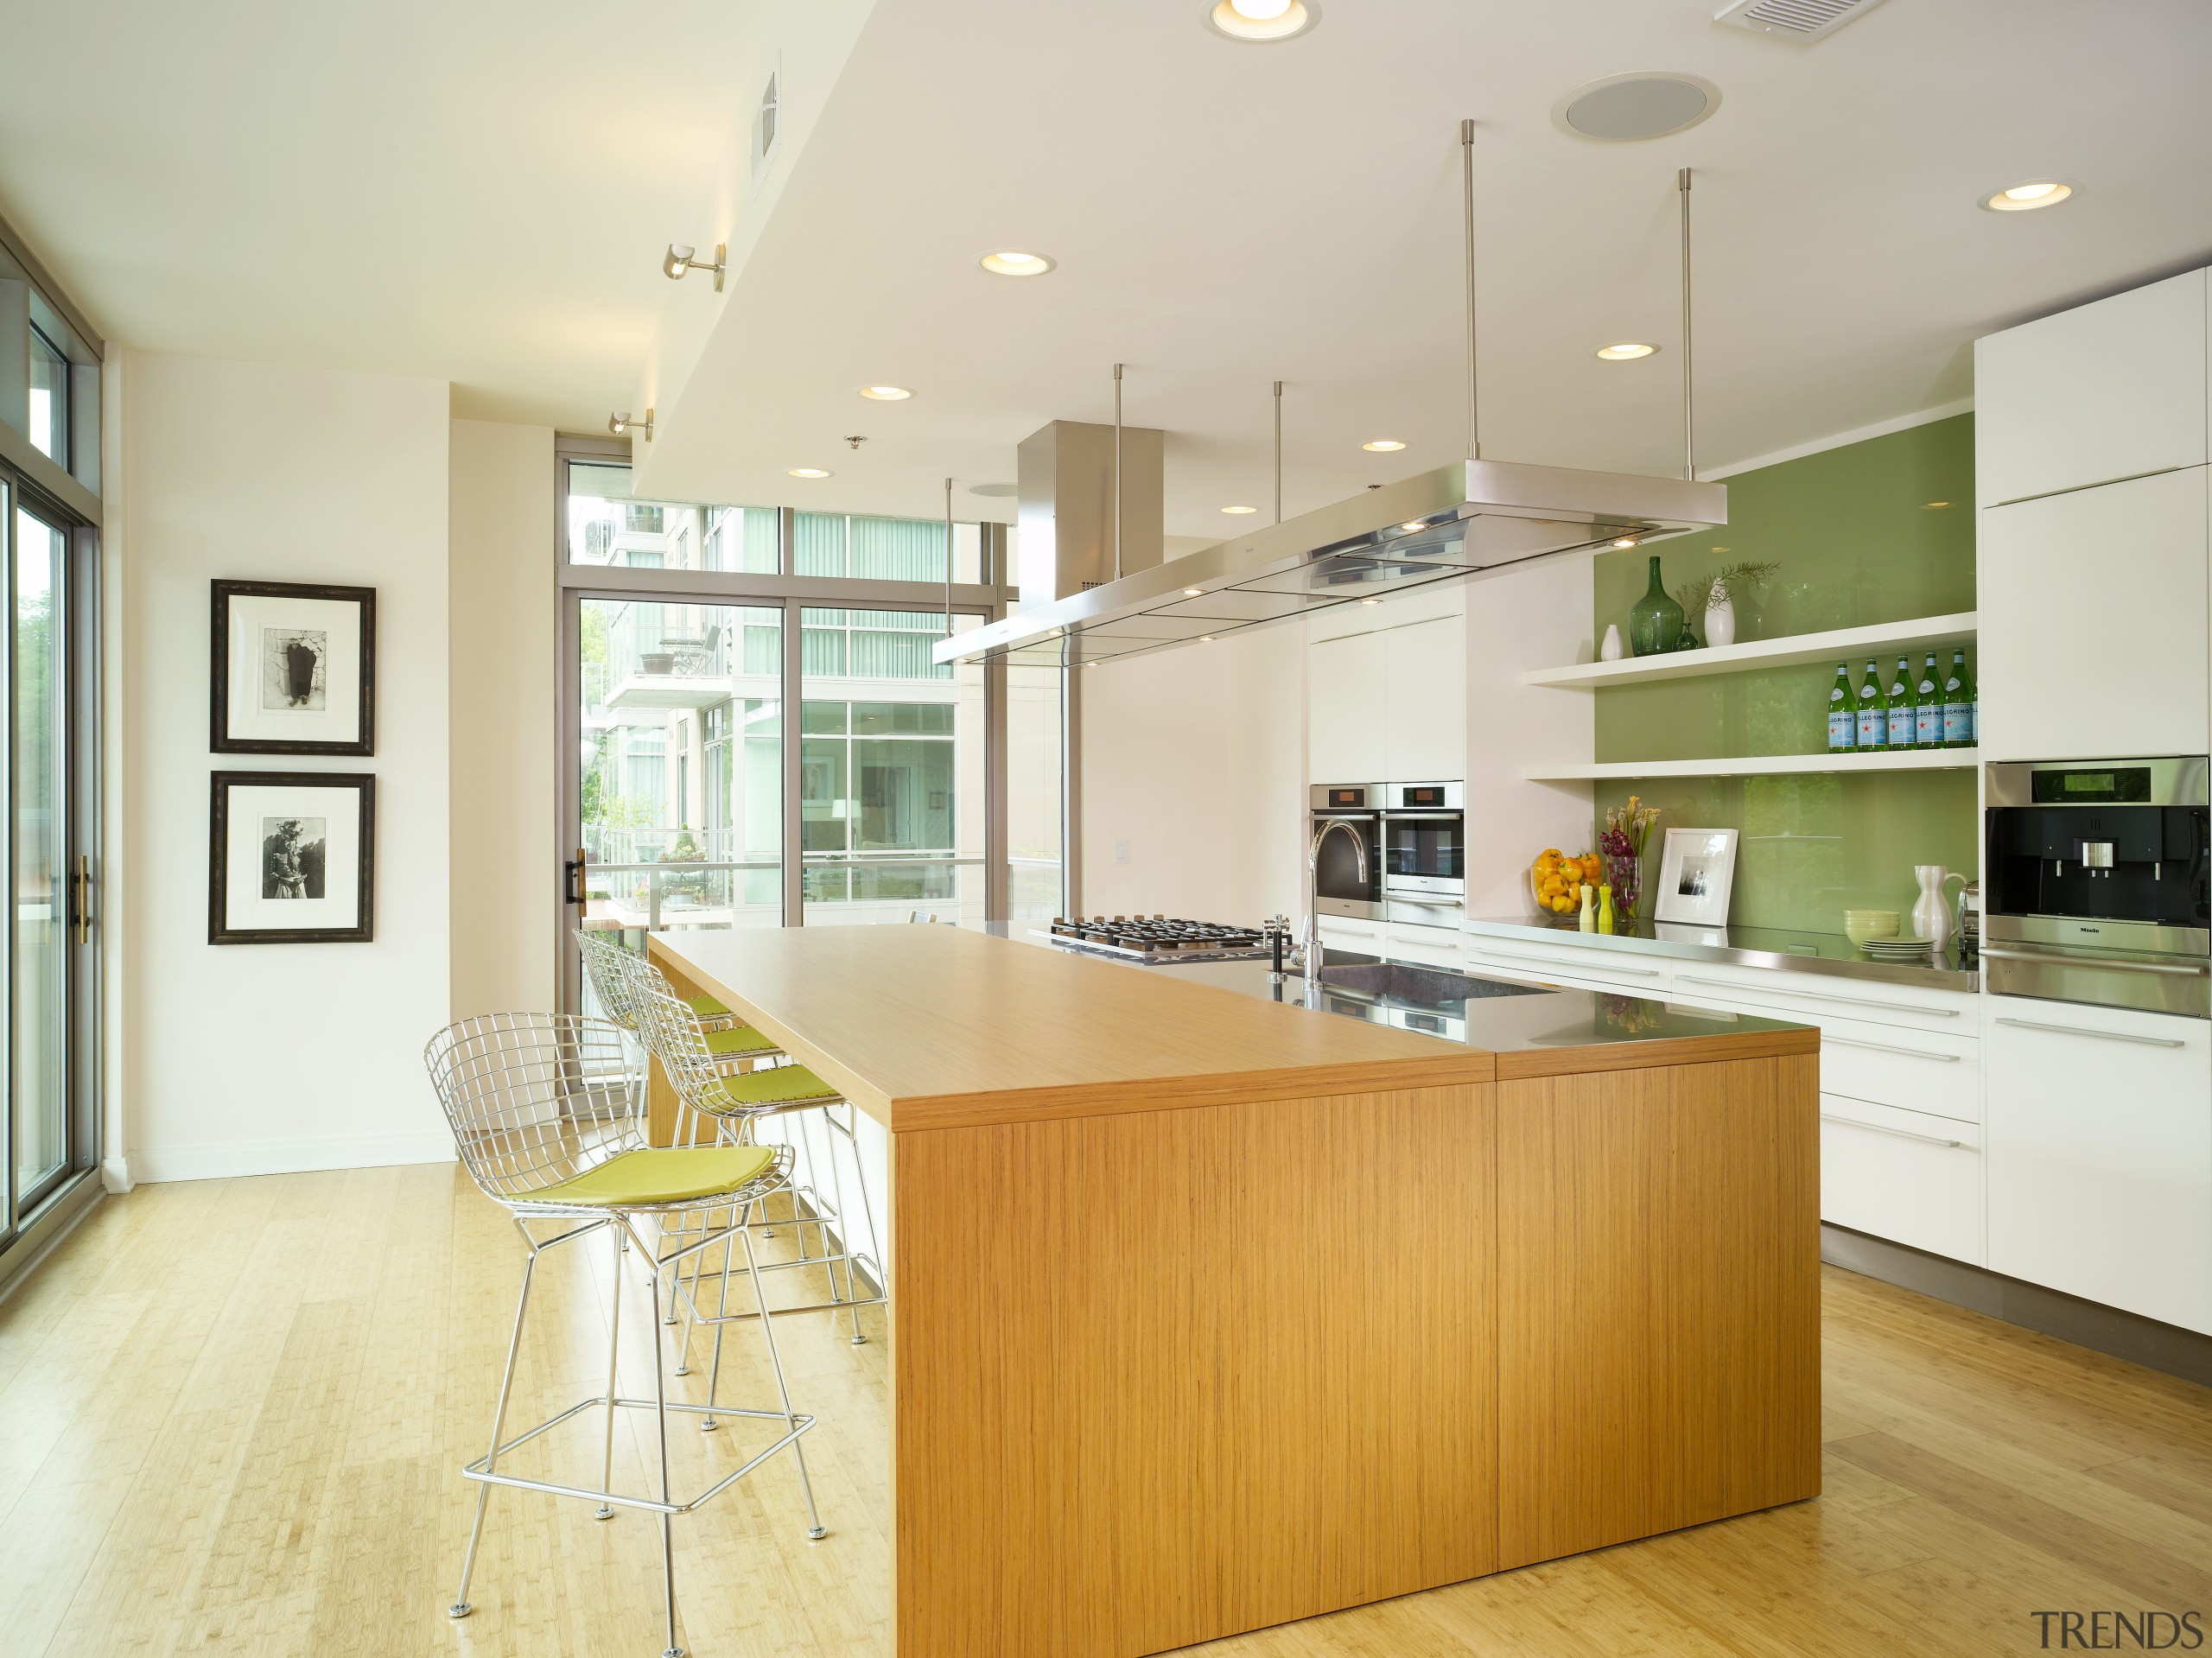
x=572 y=873
x=84 y=899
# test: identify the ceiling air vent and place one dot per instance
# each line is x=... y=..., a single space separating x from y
x=1793 y=20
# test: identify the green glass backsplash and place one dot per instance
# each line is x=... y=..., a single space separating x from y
x=1858 y=543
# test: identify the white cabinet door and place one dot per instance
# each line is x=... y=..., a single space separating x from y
x=1425 y=701
x=2099 y=1154
x=2107 y=390
x=2094 y=622
x=1344 y=711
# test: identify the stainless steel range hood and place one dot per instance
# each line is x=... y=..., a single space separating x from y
x=1455 y=522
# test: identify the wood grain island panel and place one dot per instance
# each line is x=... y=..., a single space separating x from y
x=1209 y=1313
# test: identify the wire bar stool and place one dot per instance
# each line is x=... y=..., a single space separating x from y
x=737 y=1104
x=548 y=1122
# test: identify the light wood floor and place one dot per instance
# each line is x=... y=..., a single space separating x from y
x=232 y=1415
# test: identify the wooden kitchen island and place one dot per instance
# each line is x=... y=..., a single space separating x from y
x=1209 y=1313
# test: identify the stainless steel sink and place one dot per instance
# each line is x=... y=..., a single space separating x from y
x=1419 y=986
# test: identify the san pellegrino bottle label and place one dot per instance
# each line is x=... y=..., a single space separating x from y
x=1897 y=706
x=1928 y=710
x=1958 y=703
x=1873 y=718
x=1843 y=719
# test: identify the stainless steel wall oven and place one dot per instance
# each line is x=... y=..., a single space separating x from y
x=1341 y=887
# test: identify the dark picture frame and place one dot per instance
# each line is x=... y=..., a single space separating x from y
x=292 y=861
x=299 y=663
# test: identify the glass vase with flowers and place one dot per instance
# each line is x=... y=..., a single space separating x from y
x=1628 y=829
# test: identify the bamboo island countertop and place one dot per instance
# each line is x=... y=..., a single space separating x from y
x=940 y=1027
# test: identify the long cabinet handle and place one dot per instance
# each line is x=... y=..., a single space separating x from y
x=2049 y=958
x=2108 y=1036
x=1814 y=995
x=1601 y=968
x=1902 y=1134
x=1885 y=1047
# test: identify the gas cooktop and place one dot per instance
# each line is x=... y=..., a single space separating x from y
x=1159 y=939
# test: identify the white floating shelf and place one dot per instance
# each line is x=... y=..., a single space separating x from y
x=1841 y=644
x=1761 y=765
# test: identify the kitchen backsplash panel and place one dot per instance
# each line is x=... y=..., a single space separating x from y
x=1857 y=542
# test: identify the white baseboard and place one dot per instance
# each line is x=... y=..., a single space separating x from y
x=224 y=1160
x=115 y=1174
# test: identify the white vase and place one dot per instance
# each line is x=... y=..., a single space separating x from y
x=1719 y=616
x=1611 y=650
x=1931 y=917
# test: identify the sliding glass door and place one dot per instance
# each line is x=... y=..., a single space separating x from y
x=48 y=1135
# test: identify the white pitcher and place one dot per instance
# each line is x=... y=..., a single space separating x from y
x=1931 y=917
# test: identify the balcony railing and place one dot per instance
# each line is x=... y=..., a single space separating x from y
x=719 y=893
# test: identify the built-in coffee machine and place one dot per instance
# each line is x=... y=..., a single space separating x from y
x=2094 y=883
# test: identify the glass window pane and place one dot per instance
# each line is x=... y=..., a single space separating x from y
x=681 y=812
x=607 y=526
x=893 y=760
x=1033 y=791
x=40 y=935
x=49 y=399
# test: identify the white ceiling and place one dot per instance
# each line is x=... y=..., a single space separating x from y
x=481 y=193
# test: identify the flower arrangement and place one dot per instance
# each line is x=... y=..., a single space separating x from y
x=1628 y=829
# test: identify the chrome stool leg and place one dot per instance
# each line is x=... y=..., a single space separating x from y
x=667 y=1519
x=460 y=1608
x=613 y=1362
x=815 y=1530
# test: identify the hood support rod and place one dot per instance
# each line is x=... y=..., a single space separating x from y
x=1467 y=191
x=1278 y=451
x=1689 y=442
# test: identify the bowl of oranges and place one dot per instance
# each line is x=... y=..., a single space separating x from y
x=1556 y=880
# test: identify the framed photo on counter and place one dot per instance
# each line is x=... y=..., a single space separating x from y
x=291 y=858
x=1697 y=872
x=294 y=670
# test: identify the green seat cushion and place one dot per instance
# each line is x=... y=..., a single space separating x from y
x=780 y=1085
x=738 y=1041
x=705 y=1007
x=630 y=1179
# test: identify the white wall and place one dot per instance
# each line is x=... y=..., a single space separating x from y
x=261 y=1058
x=1195 y=758
x=504 y=841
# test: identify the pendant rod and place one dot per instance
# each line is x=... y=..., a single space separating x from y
x=1278 y=451
x=1467 y=191
x=1117 y=471
x=1690 y=438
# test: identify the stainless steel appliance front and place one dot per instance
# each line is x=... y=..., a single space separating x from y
x=1425 y=852
x=2094 y=883
x=1339 y=887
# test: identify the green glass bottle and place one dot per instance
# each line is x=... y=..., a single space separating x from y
x=1897 y=706
x=1958 y=704
x=1655 y=621
x=1873 y=722
x=1927 y=706
x=1843 y=717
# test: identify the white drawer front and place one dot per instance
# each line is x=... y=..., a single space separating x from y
x=1804 y=995
x=1428 y=952
x=1914 y=1179
x=1935 y=1071
x=1588 y=967
x=1338 y=932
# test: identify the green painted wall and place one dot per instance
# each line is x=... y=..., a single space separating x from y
x=1858 y=544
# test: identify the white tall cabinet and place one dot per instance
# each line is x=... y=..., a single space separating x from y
x=1387 y=690
x=2094 y=589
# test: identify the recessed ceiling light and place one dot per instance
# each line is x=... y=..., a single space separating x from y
x=1258 y=21
x=1240 y=509
x=1626 y=351
x=2025 y=197
x=1007 y=261
x=1624 y=541
x=1384 y=445
x=808 y=472
x=885 y=393
x=1192 y=593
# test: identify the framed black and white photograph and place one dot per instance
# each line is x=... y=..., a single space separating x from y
x=295 y=669
x=291 y=858
x=1697 y=872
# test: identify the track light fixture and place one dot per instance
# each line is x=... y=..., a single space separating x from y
x=618 y=424
x=680 y=260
